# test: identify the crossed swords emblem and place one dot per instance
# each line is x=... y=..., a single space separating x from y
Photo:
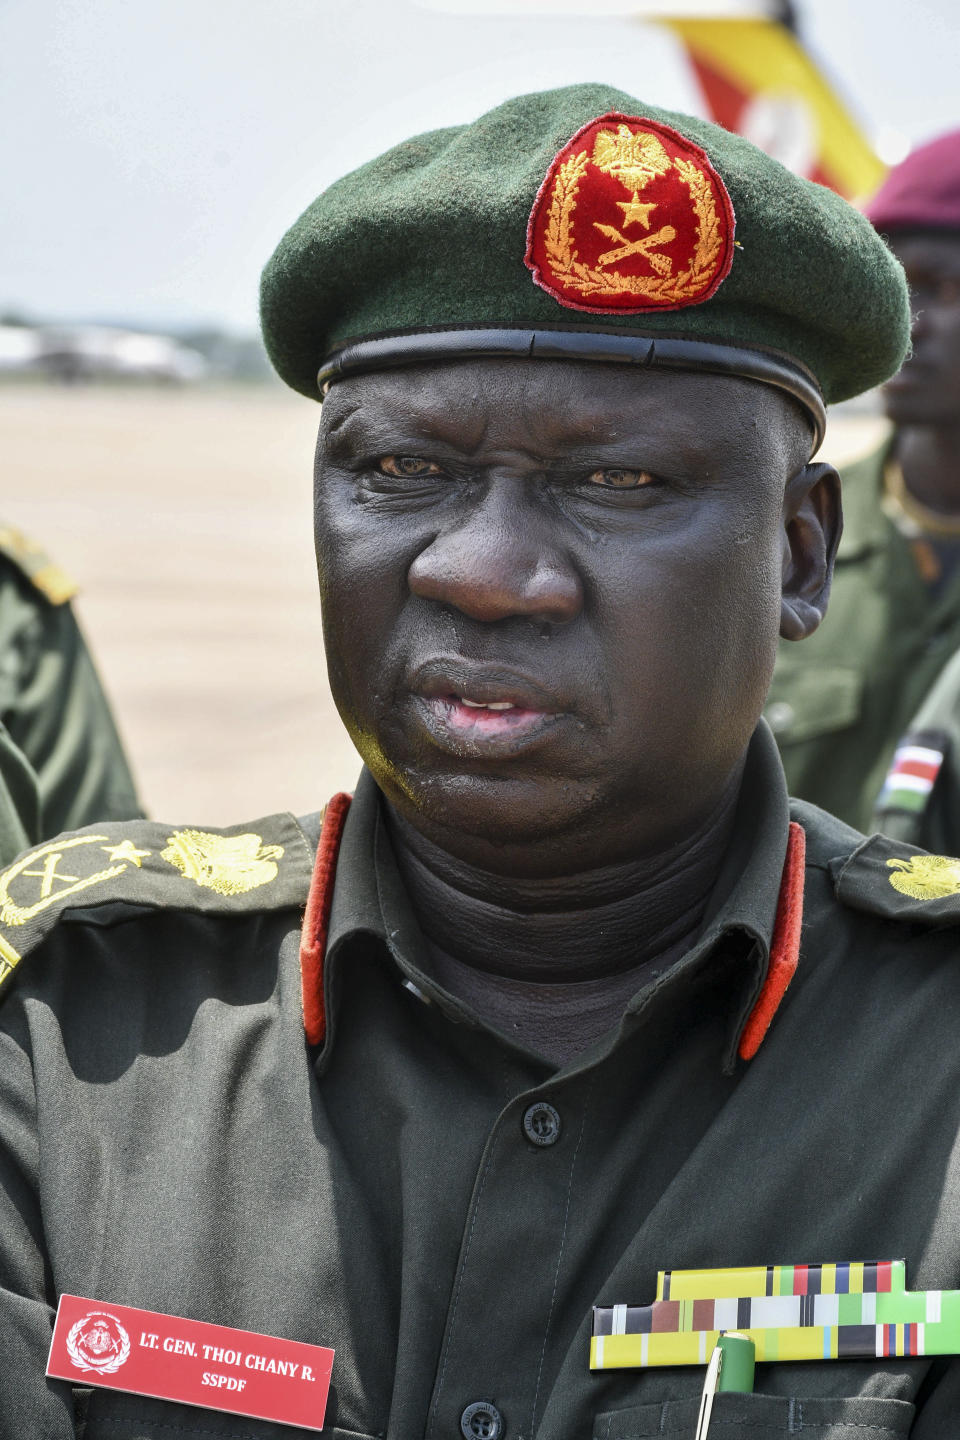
x=647 y=244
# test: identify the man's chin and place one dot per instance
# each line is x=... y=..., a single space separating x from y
x=499 y=811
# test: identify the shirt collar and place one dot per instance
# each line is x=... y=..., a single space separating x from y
x=749 y=901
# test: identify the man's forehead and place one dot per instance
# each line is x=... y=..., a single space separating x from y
x=474 y=386
x=555 y=403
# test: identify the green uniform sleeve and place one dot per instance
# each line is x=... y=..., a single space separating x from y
x=54 y=707
x=30 y=1405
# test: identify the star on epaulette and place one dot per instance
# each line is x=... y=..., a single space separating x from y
x=140 y=864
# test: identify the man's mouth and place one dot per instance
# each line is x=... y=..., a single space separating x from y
x=485 y=717
x=482 y=709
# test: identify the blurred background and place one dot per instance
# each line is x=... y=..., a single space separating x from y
x=153 y=155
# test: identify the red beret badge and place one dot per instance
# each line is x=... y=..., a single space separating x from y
x=631 y=217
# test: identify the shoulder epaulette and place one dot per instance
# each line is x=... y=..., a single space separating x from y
x=896 y=880
x=35 y=565
x=106 y=872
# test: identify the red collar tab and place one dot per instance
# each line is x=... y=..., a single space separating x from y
x=313 y=936
x=784 y=946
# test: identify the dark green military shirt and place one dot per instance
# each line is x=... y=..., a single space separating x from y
x=168 y=1139
x=841 y=699
x=52 y=704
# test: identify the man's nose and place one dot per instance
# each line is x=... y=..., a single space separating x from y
x=500 y=561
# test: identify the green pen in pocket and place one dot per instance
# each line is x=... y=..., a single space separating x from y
x=730 y=1369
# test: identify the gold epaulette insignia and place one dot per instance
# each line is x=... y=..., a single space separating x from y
x=35 y=564
x=229 y=864
x=266 y=866
x=926 y=877
x=888 y=877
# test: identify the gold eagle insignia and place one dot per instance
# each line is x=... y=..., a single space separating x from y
x=228 y=864
x=636 y=159
x=926 y=877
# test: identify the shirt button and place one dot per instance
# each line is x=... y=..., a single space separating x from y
x=481 y=1421
x=541 y=1124
x=780 y=715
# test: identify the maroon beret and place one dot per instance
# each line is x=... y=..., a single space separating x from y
x=923 y=192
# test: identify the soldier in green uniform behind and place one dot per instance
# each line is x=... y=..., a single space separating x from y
x=570 y=992
x=62 y=765
x=839 y=705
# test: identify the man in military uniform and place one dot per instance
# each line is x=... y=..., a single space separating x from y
x=840 y=705
x=568 y=994
x=62 y=765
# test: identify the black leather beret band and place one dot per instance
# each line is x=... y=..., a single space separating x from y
x=424 y=347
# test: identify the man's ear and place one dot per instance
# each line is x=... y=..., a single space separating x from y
x=812 y=522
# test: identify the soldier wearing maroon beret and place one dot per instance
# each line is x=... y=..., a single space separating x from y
x=854 y=711
x=568 y=993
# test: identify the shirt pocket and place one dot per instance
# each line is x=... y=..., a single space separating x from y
x=810 y=701
x=761 y=1417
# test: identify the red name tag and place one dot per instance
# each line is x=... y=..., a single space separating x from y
x=139 y=1351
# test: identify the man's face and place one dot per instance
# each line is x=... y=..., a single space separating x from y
x=927 y=390
x=552 y=592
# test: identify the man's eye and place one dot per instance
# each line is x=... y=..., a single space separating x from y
x=408 y=466
x=620 y=479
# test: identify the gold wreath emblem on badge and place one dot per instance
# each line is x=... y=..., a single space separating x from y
x=635 y=160
x=228 y=864
x=98 y=1342
x=926 y=877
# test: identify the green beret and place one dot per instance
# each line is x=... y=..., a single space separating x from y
x=582 y=222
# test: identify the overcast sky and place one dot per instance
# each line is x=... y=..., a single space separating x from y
x=153 y=151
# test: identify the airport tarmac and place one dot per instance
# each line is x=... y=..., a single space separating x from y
x=184 y=515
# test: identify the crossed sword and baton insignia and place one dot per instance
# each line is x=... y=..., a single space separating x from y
x=635 y=160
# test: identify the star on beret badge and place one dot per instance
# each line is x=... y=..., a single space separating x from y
x=631 y=217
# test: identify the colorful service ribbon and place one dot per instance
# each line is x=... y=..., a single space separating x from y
x=856 y=1310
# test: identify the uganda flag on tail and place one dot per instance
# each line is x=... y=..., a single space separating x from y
x=758 y=80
